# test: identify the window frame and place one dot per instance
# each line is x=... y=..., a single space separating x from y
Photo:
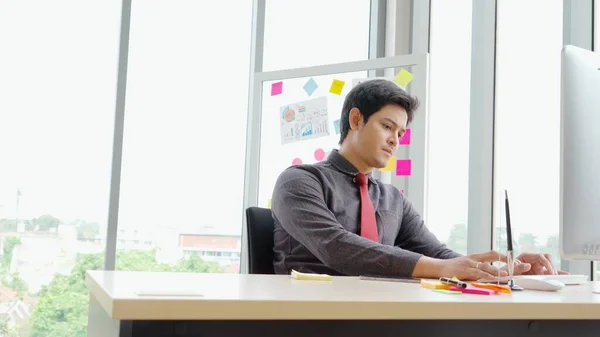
x=399 y=37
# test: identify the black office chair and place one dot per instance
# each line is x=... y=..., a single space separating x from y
x=260 y=227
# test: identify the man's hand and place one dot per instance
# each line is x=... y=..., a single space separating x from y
x=536 y=264
x=473 y=267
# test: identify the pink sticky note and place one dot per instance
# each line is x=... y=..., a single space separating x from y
x=403 y=167
x=296 y=161
x=276 y=88
x=319 y=154
x=474 y=290
x=405 y=140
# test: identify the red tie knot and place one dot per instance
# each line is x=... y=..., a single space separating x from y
x=362 y=179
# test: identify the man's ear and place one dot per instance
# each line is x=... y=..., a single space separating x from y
x=355 y=119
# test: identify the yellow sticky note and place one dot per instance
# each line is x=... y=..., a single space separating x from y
x=306 y=276
x=391 y=165
x=336 y=87
x=434 y=284
x=403 y=78
x=269 y=204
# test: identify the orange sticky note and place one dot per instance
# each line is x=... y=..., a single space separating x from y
x=499 y=288
x=391 y=165
x=336 y=87
x=403 y=78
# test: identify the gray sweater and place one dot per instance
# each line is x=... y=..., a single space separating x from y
x=316 y=209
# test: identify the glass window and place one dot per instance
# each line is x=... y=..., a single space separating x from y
x=597 y=25
x=300 y=125
x=527 y=124
x=59 y=70
x=185 y=137
x=302 y=33
x=450 y=78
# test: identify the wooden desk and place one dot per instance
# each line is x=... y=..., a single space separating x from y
x=269 y=305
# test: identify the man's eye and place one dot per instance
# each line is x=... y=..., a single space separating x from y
x=387 y=127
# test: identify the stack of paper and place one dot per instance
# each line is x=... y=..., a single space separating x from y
x=306 y=276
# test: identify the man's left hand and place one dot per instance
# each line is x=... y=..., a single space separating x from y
x=536 y=264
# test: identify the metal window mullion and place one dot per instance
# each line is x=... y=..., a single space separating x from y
x=117 y=153
x=252 y=158
x=481 y=131
x=377 y=31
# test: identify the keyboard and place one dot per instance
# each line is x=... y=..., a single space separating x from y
x=564 y=279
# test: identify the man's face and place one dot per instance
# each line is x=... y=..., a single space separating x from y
x=377 y=140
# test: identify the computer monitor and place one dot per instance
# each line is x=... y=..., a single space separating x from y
x=580 y=155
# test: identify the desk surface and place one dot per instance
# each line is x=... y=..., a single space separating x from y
x=232 y=296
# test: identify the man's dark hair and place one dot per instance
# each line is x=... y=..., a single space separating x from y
x=372 y=95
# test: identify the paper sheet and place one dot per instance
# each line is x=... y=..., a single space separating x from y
x=304 y=120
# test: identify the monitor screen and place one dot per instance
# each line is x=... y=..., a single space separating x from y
x=580 y=154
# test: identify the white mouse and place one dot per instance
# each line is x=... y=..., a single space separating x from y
x=539 y=284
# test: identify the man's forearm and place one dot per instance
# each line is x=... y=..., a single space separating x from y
x=428 y=267
x=353 y=255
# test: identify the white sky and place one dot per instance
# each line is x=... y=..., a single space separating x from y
x=183 y=160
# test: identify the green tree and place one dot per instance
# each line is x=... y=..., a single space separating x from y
x=458 y=238
x=16 y=283
x=7 y=252
x=502 y=241
x=43 y=223
x=8 y=225
x=528 y=242
x=87 y=230
x=62 y=306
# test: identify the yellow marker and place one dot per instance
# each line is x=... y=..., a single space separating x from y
x=391 y=165
x=306 y=276
x=403 y=78
x=434 y=284
x=336 y=87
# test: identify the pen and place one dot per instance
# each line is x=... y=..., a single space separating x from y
x=453 y=281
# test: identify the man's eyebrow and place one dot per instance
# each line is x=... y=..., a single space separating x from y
x=391 y=121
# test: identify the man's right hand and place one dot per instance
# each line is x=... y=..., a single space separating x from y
x=473 y=267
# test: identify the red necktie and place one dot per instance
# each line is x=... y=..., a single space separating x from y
x=368 y=224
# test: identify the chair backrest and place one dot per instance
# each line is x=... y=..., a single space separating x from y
x=260 y=240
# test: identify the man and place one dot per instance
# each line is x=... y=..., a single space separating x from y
x=333 y=217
